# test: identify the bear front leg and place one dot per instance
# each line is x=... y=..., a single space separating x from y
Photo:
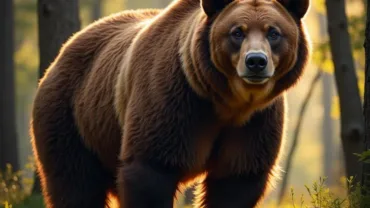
x=244 y=161
x=157 y=149
x=144 y=185
x=237 y=191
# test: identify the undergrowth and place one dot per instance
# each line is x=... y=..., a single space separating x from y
x=15 y=192
x=16 y=186
x=322 y=197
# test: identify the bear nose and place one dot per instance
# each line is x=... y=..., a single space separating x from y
x=256 y=62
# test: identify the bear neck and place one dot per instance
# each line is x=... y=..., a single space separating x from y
x=201 y=73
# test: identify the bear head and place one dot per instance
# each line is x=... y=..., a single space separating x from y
x=258 y=49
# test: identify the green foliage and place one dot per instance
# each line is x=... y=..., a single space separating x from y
x=364 y=157
x=322 y=197
x=15 y=187
x=33 y=201
x=7 y=205
x=11 y=190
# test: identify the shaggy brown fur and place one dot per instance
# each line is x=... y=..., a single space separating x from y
x=143 y=101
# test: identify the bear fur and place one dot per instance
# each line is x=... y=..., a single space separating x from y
x=142 y=102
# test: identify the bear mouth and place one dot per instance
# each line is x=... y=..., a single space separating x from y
x=256 y=79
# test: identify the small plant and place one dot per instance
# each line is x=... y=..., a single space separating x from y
x=14 y=185
x=7 y=205
x=11 y=190
x=322 y=197
x=354 y=193
x=364 y=156
x=362 y=194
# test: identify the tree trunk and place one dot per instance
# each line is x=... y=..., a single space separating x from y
x=96 y=10
x=136 y=4
x=8 y=137
x=352 y=122
x=297 y=131
x=57 y=21
x=366 y=172
x=327 y=130
x=327 y=125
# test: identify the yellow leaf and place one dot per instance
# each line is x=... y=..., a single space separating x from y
x=335 y=109
x=327 y=66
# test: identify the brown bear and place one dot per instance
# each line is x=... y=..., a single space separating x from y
x=142 y=102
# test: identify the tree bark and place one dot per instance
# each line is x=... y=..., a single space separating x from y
x=8 y=137
x=352 y=122
x=366 y=171
x=57 y=21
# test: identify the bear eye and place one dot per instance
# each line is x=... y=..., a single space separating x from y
x=273 y=35
x=237 y=34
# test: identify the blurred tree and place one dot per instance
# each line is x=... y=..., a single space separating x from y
x=366 y=171
x=327 y=125
x=297 y=131
x=8 y=137
x=57 y=20
x=96 y=9
x=25 y=65
x=136 y=4
x=352 y=123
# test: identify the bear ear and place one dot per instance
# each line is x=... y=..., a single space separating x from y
x=296 y=7
x=211 y=7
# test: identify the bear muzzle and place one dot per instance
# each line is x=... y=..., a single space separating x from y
x=256 y=69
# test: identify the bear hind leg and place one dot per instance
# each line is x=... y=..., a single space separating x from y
x=71 y=175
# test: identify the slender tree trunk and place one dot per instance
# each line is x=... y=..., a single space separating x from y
x=57 y=21
x=327 y=125
x=327 y=129
x=96 y=9
x=8 y=137
x=352 y=122
x=297 y=131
